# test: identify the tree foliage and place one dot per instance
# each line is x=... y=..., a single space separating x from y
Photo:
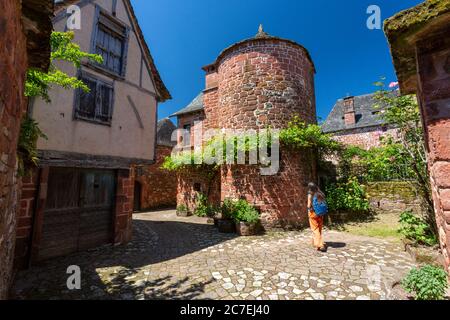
x=347 y=196
x=416 y=229
x=403 y=112
x=402 y=156
x=39 y=83
x=299 y=135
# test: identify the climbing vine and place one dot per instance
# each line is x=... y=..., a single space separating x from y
x=299 y=135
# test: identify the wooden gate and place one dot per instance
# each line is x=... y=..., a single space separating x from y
x=78 y=213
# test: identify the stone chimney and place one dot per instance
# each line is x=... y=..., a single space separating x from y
x=349 y=111
x=212 y=78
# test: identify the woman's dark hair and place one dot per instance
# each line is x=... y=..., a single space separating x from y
x=315 y=191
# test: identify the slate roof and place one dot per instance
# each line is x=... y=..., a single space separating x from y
x=366 y=111
x=195 y=105
x=164 y=131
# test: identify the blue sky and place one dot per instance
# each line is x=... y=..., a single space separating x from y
x=185 y=35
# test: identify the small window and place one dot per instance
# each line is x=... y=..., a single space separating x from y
x=95 y=105
x=197 y=187
x=111 y=43
x=187 y=135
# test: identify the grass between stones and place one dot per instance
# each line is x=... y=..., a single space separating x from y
x=382 y=225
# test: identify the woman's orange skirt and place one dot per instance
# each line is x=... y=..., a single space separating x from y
x=316 y=224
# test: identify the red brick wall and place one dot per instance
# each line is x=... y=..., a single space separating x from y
x=365 y=138
x=159 y=187
x=13 y=62
x=434 y=93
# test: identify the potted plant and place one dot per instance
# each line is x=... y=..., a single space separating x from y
x=224 y=220
x=247 y=219
x=183 y=211
x=202 y=208
x=213 y=212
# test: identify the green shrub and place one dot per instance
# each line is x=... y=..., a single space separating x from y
x=416 y=229
x=348 y=196
x=244 y=212
x=240 y=211
x=227 y=209
x=202 y=207
x=182 y=208
x=27 y=145
x=427 y=283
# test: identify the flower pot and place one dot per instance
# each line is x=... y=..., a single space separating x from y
x=217 y=217
x=246 y=229
x=226 y=226
x=183 y=213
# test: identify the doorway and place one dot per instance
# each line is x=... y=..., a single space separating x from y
x=137 y=196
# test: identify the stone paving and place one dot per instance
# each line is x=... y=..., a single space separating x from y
x=185 y=258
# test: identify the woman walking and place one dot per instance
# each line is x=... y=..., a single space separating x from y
x=317 y=209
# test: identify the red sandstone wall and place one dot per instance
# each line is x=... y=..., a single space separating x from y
x=212 y=110
x=266 y=83
x=123 y=223
x=27 y=205
x=434 y=92
x=260 y=83
x=196 y=120
x=281 y=198
x=185 y=188
x=365 y=138
x=159 y=187
x=13 y=66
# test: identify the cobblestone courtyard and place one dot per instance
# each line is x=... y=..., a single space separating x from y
x=184 y=258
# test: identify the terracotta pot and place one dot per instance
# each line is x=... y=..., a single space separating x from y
x=248 y=229
x=217 y=217
x=226 y=226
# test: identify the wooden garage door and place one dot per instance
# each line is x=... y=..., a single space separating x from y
x=79 y=211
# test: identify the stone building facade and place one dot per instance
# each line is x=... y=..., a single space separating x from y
x=356 y=121
x=420 y=46
x=156 y=188
x=259 y=82
x=24 y=42
x=82 y=194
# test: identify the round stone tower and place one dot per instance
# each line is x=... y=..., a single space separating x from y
x=266 y=81
x=254 y=84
